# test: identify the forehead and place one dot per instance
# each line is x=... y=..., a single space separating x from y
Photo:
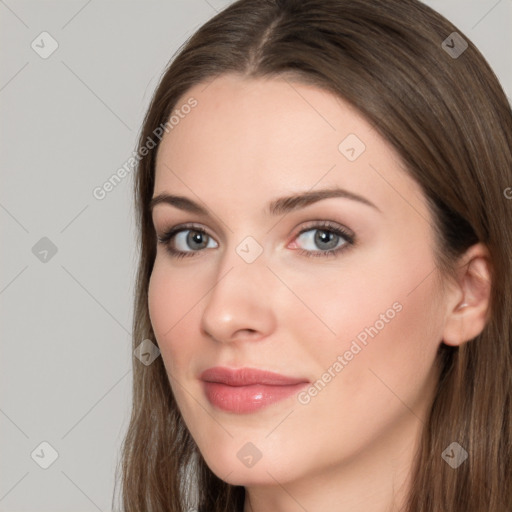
x=248 y=139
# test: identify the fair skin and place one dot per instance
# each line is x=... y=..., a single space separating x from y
x=351 y=447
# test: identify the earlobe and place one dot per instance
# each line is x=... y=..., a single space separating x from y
x=468 y=305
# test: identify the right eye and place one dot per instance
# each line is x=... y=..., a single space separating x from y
x=181 y=241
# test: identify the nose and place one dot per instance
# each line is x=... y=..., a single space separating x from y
x=239 y=305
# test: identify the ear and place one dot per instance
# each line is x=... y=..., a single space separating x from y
x=468 y=301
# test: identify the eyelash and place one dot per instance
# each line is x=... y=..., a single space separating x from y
x=318 y=225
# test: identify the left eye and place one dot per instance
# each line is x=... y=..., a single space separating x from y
x=323 y=240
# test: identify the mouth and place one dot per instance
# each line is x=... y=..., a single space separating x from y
x=246 y=390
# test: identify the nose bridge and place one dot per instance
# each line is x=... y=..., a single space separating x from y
x=238 y=301
x=243 y=265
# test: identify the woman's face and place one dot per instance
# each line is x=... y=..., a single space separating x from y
x=336 y=291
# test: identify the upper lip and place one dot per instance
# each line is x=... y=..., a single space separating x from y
x=247 y=377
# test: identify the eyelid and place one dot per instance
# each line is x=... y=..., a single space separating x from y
x=327 y=225
x=309 y=225
x=183 y=227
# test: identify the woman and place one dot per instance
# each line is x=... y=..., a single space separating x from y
x=325 y=267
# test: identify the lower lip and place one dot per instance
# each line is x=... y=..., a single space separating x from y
x=245 y=399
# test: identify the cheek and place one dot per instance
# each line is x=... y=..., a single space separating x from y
x=393 y=367
x=171 y=307
x=387 y=314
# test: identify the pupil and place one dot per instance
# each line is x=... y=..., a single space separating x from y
x=325 y=237
x=196 y=238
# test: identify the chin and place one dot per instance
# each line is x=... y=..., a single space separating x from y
x=235 y=467
x=247 y=477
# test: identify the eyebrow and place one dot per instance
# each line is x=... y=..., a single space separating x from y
x=276 y=207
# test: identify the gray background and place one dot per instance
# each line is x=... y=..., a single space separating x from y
x=68 y=123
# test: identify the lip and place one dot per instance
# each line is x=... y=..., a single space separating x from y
x=245 y=390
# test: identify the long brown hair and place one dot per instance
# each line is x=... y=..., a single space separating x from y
x=450 y=121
